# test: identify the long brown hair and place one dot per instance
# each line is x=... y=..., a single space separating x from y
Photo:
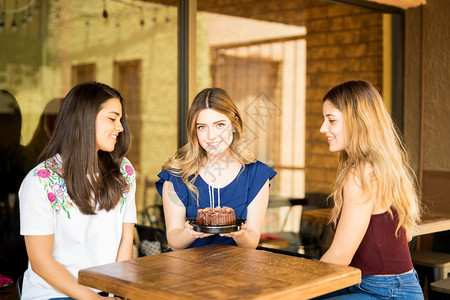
x=188 y=160
x=92 y=177
x=373 y=139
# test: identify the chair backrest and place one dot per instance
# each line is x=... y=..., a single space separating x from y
x=151 y=234
x=19 y=282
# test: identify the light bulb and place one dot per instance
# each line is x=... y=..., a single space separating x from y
x=13 y=26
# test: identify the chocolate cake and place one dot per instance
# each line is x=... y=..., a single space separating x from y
x=216 y=216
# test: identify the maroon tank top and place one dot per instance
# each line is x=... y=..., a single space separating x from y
x=380 y=252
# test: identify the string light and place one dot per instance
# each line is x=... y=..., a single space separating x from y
x=167 y=15
x=17 y=10
x=141 y=8
x=142 y=16
x=105 y=12
x=2 y=20
x=13 y=25
x=115 y=13
x=17 y=20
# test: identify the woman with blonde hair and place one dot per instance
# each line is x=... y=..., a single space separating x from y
x=376 y=206
x=214 y=166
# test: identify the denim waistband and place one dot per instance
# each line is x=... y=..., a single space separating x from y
x=406 y=278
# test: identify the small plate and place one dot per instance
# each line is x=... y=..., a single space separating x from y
x=216 y=229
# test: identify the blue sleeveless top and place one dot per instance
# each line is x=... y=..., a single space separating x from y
x=238 y=195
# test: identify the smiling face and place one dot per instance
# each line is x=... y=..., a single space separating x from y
x=214 y=132
x=108 y=125
x=333 y=127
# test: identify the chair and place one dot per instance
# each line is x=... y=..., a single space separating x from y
x=437 y=262
x=316 y=237
x=280 y=238
x=440 y=289
x=310 y=237
x=433 y=266
x=151 y=240
x=153 y=213
x=19 y=283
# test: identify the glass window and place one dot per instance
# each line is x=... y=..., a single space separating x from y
x=47 y=48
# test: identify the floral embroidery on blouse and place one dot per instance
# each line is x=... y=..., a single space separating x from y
x=54 y=185
x=56 y=189
x=128 y=172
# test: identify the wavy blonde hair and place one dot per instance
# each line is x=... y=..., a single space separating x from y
x=188 y=160
x=374 y=139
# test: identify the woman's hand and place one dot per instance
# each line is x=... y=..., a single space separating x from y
x=195 y=234
x=236 y=233
x=248 y=236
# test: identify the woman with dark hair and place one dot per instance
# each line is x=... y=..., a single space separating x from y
x=77 y=207
x=214 y=165
x=376 y=205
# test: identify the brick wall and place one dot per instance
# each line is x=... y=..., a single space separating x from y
x=343 y=43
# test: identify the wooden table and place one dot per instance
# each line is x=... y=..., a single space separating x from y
x=321 y=215
x=434 y=222
x=442 y=286
x=431 y=221
x=219 y=272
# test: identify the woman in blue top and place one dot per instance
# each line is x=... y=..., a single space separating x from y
x=214 y=165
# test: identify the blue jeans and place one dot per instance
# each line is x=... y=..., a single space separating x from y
x=404 y=286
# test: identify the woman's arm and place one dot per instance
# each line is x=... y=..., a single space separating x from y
x=179 y=232
x=353 y=223
x=125 y=251
x=250 y=234
x=40 y=250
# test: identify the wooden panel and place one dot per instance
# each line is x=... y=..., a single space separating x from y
x=128 y=81
x=436 y=190
x=83 y=73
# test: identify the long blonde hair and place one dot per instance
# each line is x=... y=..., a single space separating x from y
x=373 y=139
x=188 y=160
